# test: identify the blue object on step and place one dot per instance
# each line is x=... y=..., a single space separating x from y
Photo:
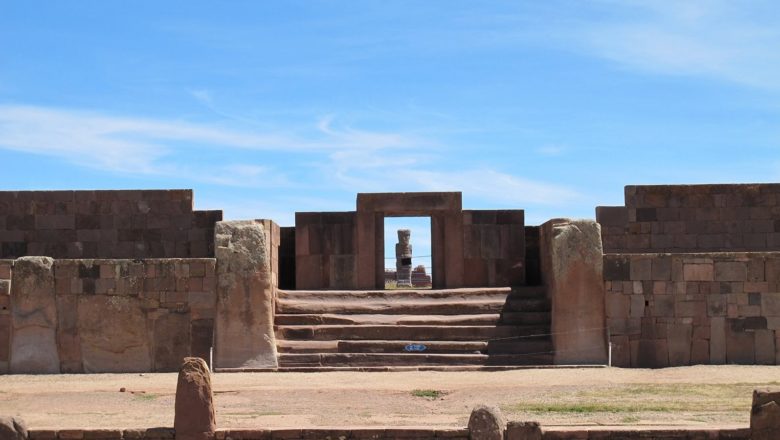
x=415 y=347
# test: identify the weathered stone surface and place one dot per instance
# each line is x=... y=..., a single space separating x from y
x=12 y=428
x=171 y=340
x=113 y=333
x=245 y=291
x=195 y=417
x=765 y=415
x=33 y=317
x=572 y=261
x=523 y=431
x=486 y=423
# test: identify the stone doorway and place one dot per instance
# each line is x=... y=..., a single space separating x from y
x=419 y=267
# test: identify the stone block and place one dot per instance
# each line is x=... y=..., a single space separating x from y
x=700 y=352
x=698 y=272
x=113 y=334
x=33 y=317
x=662 y=269
x=770 y=304
x=730 y=271
x=486 y=423
x=171 y=341
x=617 y=268
x=765 y=347
x=618 y=306
x=523 y=431
x=717 y=340
x=679 y=344
x=641 y=269
x=195 y=417
x=740 y=347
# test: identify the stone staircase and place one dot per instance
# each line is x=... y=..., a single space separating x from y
x=485 y=328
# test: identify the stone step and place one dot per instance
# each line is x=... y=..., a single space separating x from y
x=287 y=346
x=401 y=294
x=412 y=307
x=287 y=360
x=337 y=319
x=515 y=346
x=407 y=332
x=525 y=318
x=400 y=347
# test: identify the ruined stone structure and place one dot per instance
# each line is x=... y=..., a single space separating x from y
x=403 y=259
x=108 y=281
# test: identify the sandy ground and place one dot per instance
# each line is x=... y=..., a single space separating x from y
x=687 y=396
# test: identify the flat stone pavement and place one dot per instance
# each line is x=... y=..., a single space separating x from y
x=674 y=397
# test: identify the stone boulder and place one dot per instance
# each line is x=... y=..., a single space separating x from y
x=195 y=418
x=765 y=415
x=12 y=428
x=486 y=423
x=34 y=317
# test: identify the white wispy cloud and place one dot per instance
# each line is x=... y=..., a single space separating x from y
x=724 y=40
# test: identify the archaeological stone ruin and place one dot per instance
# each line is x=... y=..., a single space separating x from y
x=137 y=281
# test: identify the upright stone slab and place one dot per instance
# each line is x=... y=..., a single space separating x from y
x=33 y=317
x=572 y=269
x=194 y=417
x=244 y=334
x=486 y=423
x=765 y=415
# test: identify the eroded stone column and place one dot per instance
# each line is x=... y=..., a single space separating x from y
x=572 y=270
x=33 y=317
x=246 y=287
x=403 y=259
x=194 y=418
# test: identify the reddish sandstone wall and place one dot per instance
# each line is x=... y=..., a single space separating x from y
x=325 y=250
x=105 y=224
x=114 y=315
x=693 y=218
x=685 y=309
x=493 y=248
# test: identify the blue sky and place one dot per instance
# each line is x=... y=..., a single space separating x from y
x=267 y=108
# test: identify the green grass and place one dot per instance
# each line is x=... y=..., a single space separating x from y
x=145 y=397
x=596 y=407
x=428 y=394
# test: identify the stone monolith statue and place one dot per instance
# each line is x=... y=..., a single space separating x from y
x=403 y=259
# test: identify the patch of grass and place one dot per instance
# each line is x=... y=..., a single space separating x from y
x=593 y=407
x=147 y=397
x=428 y=394
x=252 y=414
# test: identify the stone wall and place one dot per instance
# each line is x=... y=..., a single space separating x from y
x=110 y=315
x=693 y=218
x=685 y=309
x=6 y=266
x=493 y=248
x=348 y=433
x=325 y=250
x=105 y=224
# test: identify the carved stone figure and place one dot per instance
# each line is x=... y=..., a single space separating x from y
x=403 y=259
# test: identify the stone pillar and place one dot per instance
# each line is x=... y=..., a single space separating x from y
x=246 y=288
x=572 y=270
x=403 y=259
x=486 y=423
x=765 y=415
x=194 y=417
x=33 y=317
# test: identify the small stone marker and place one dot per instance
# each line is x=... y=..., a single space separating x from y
x=195 y=417
x=765 y=415
x=486 y=423
x=12 y=428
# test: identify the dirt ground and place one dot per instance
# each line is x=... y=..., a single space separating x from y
x=687 y=396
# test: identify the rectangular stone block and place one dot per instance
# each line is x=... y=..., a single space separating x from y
x=730 y=271
x=718 y=340
x=698 y=272
x=765 y=347
x=641 y=269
